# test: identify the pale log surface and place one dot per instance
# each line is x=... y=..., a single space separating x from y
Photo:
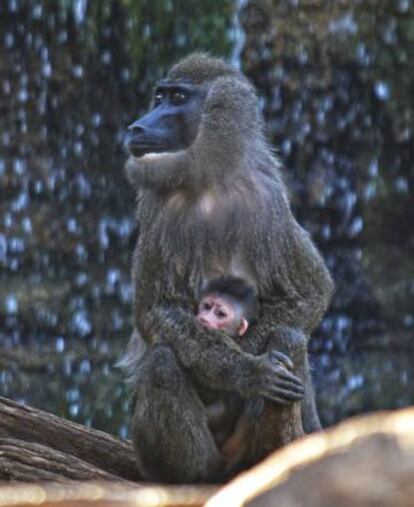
x=373 y=471
x=100 y=494
x=19 y=422
x=362 y=462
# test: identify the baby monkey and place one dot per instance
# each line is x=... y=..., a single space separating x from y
x=230 y=304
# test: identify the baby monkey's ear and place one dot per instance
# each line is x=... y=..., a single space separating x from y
x=243 y=327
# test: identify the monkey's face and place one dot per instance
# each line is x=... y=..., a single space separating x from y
x=216 y=312
x=172 y=122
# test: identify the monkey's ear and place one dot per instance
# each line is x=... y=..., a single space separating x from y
x=230 y=93
x=231 y=106
x=243 y=327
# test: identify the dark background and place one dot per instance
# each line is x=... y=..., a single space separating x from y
x=337 y=87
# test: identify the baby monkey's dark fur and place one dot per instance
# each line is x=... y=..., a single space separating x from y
x=217 y=207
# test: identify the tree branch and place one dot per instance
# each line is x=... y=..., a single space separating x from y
x=95 y=452
x=30 y=462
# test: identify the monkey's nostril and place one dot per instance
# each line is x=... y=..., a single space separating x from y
x=136 y=128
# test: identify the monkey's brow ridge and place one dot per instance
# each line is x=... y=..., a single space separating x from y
x=169 y=83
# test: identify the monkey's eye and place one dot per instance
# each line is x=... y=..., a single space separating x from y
x=221 y=314
x=178 y=98
x=206 y=306
x=158 y=98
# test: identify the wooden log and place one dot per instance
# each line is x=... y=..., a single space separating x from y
x=95 y=447
x=29 y=462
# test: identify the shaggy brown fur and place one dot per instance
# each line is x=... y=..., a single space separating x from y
x=217 y=208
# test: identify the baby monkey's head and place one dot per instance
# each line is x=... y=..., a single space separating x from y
x=228 y=304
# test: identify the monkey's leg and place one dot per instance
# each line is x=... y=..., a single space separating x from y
x=222 y=416
x=253 y=441
x=294 y=344
x=279 y=424
x=170 y=432
x=235 y=447
x=310 y=416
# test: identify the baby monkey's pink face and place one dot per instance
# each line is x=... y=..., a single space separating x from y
x=219 y=312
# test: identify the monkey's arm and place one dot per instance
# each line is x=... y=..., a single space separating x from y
x=293 y=343
x=313 y=288
x=297 y=286
x=215 y=360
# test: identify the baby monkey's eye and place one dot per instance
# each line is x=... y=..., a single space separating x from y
x=222 y=314
x=206 y=306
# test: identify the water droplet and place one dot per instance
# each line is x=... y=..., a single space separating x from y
x=81 y=279
x=81 y=324
x=12 y=306
x=23 y=95
x=8 y=40
x=106 y=58
x=345 y=24
x=382 y=90
x=125 y=75
x=355 y=381
x=37 y=12
x=373 y=168
x=77 y=71
x=401 y=184
x=3 y=249
x=112 y=278
x=19 y=166
x=355 y=227
x=85 y=367
x=72 y=225
x=46 y=69
x=12 y=5
x=81 y=253
x=79 y=9
x=16 y=245
x=20 y=202
x=74 y=410
x=96 y=120
x=404 y=5
x=27 y=225
x=60 y=344
x=78 y=148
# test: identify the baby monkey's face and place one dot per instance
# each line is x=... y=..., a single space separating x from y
x=219 y=312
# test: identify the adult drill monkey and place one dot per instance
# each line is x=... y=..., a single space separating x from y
x=211 y=202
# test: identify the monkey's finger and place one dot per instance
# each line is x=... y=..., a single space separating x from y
x=282 y=373
x=274 y=398
x=292 y=380
x=287 y=395
x=289 y=386
x=283 y=358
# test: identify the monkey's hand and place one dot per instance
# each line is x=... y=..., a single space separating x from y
x=276 y=383
x=253 y=407
x=283 y=359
